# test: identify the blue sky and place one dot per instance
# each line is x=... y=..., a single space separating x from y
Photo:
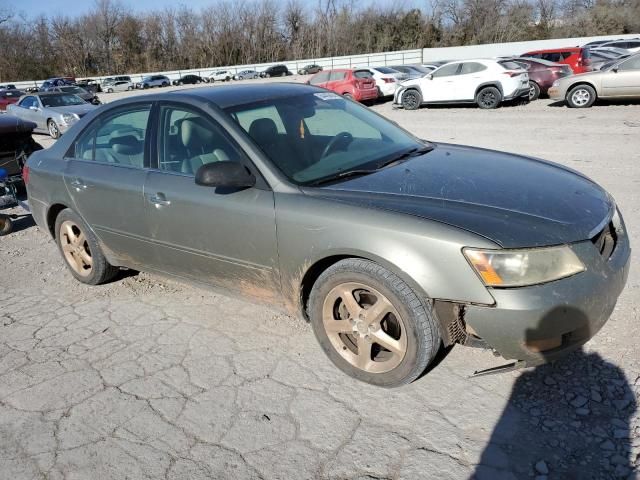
x=77 y=7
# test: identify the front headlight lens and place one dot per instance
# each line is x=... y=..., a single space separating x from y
x=556 y=83
x=69 y=117
x=517 y=268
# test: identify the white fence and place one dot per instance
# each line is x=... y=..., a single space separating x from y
x=382 y=59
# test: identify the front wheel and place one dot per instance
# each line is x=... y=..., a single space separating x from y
x=488 y=98
x=81 y=250
x=582 y=96
x=54 y=130
x=109 y=90
x=371 y=324
x=411 y=100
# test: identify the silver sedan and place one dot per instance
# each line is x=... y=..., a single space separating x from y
x=52 y=112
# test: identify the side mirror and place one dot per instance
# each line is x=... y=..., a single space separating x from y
x=614 y=69
x=430 y=76
x=34 y=108
x=225 y=174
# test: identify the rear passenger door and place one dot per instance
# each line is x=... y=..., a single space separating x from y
x=104 y=175
x=224 y=237
x=468 y=80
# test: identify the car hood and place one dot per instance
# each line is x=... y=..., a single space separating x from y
x=80 y=110
x=514 y=201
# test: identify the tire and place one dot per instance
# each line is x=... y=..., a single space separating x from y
x=129 y=88
x=75 y=254
x=488 y=98
x=267 y=75
x=6 y=225
x=411 y=100
x=145 y=86
x=408 y=325
x=109 y=90
x=54 y=131
x=581 y=96
x=164 y=84
x=534 y=91
x=179 y=83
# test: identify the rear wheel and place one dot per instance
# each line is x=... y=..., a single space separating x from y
x=488 y=98
x=371 y=324
x=81 y=250
x=411 y=100
x=582 y=96
x=52 y=126
x=534 y=91
x=109 y=90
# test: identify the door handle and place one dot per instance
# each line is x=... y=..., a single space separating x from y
x=159 y=200
x=78 y=184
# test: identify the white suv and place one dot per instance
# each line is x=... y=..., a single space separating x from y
x=386 y=79
x=486 y=83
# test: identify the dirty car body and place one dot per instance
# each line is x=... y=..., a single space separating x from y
x=324 y=184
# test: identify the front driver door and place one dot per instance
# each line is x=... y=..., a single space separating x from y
x=625 y=82
x=441 y=87
x=105 y=171
x=221 y=236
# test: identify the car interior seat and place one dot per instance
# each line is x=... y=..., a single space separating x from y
x=201 y=143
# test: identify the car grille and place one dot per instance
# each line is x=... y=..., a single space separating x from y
x=605 y=241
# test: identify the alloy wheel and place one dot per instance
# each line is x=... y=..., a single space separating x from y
x=488 y=98
x=54 y=131
x=75 y=248
x=364 y=327
x=581 y=97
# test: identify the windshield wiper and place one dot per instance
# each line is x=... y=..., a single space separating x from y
x=412 y=152
x=341 y=175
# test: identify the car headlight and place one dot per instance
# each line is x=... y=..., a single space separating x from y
x=518 y=268
x=70 y=117
x=556 y=83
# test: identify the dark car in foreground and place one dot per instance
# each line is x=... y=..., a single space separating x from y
x=16 y=143
x=389 y=245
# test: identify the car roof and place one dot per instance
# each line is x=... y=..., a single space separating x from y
x=232 y=95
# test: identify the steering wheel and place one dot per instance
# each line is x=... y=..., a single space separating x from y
x=341 y=138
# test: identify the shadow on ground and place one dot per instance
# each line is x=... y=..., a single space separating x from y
x=568 y=420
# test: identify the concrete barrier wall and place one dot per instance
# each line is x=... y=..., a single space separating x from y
x=379 y=59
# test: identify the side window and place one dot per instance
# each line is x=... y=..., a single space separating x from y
x=247 y=117
x=190 y=139
x=335 y=76
x=552 y=57
x=471 y=67
x=119 y=139
x=321 y=77
x=446 y=70
x=28 y=102
x=631 y=64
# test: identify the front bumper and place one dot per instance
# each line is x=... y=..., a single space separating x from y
x=556 y=93
x=564 y=314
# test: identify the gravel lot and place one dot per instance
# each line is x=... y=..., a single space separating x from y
x=149 y=378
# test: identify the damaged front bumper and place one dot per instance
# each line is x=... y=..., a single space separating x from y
x=538 y=324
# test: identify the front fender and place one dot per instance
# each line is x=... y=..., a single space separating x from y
x=425 y=254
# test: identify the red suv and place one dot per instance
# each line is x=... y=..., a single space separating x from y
x=578 y=58
x=356 y=84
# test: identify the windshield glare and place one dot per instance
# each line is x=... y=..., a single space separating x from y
x=64 y=100
x=318 y=135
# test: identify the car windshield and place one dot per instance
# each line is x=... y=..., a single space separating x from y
x=62 y=100
x=318 y=136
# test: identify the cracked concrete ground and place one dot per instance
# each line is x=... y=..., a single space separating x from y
x=150 y=378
